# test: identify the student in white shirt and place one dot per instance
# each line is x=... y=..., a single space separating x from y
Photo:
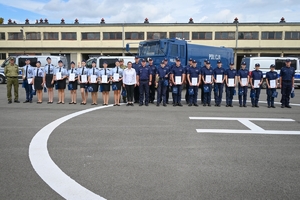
x=129 y=82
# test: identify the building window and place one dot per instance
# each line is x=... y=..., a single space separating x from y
x=292 y=35
x=271 y=35
x=69 y=36
x=225 y=35
x=15 y=36
x=2 y=56
x=50 y=35
x=112 y=35
x=33 y=36
x=181 y=35
x=156 y=35
x=2 y=36
x=90 y=36
x=134 y=35
x=248 y=35
x=201 y=35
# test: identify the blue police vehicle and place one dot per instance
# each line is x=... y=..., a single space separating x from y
x=173 y=48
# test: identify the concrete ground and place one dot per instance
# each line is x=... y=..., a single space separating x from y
x=152 y=152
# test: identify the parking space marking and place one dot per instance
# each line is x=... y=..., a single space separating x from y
x=49 y=171
x=254 y=129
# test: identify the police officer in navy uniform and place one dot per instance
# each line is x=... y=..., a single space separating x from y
x=144 y=80
x=152 y=86
x=177 y=71
x=186 y=69
x=162 y=77
x=136 y=65
x=287 y=82
x=256 y=75
x=193 y=72
x=201 y=85
x=27 y=80
x=272 y=75
x=243 y=75
x=168 y=88
x=230 y=74
x=207 y=71
x=219 y=85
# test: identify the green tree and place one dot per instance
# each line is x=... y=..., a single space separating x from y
x=1 y=20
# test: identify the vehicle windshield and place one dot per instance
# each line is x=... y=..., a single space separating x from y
x=6 y=62
x=151 y=49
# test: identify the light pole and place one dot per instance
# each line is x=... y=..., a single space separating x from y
x=236 y=21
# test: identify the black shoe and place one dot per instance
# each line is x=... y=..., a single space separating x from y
x=9 y=102
x=244 y=106
x=26 y=101
x=164 y=105
x=190 y=105
x=131 y=104
x=231 y=105
x=175 y=104
x=253 y=106
x=179 y=104
x=241 y=106
x=216 y=105
x=288 y=106
x=16 y=101
x=273 y=106
x=219 y=105
x=257 y=106
x=269 y=106
x=282 y=106
x=146 y=104
x=157 y=104
x=209 y=105
x=128 y=104
x=227 y=105
x=204 y=105
x=196 y=105
x=140 y=104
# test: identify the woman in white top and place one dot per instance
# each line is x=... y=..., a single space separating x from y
x=129 y=82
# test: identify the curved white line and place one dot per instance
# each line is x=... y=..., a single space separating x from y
x=49 y=171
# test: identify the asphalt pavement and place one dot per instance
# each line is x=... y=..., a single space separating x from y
x=153 y=152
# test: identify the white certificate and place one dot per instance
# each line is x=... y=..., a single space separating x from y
x=116 y=77
x=178 y=80
x=219 y=78
x=104 y=78
x=83 y=78
x=244 y=81
x=29 y=80
x=208 y=78
x=273 y=83
x=194 y=81
x=33 y=87
x=231 y=82
x=58 y=75
x=72 y=77
x=256 y=82
x=93 y=78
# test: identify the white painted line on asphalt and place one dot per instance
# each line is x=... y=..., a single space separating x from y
x=49 y=171
x=269 y=132
x=237 y=119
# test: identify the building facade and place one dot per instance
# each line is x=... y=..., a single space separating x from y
x=79 y=41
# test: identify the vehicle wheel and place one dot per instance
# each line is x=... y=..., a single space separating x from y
x=2 y=79
x=264 y=85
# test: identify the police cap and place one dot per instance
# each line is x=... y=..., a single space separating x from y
x=48 y=58
x=257 y=65
x=166 y=59
x=207 y=62
x=150 y=59
x=288 y=60
x=194 y=61
x=60 y=61
x=104 y=62
x=26 y=59
x=162 y=62
x=136 y=57
x=177 y=59
x=143 y=60
x=231 y=63
x=272 y=66
x=219 y=61
x=83 y=61
x=93 y=61
x=38 y=62
x=191 y=59
x=243 y=63
x=72 y=62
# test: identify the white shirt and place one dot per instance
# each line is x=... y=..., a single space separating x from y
x=129 y=76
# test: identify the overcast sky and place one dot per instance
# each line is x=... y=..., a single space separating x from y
x=157 y=11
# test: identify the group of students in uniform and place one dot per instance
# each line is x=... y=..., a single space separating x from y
x=139 y=82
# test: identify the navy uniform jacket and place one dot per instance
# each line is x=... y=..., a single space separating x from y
x=186 y=69
x=162 y=72
x=256 y=75
x=194 y=72
x=206 y=72
x=136 y=66
x=177 y=71
x=219 y=71
x=49 y=69
x=287 y=73
x=144 y=73
x=153 y=70
x=231 y=73
x=243 y=73
x=271 y=75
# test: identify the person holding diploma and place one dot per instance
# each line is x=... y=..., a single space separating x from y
x=144 y=80
x=49 y=78
x=193 y=82
x=117 y=74
x=230 y=80
x=129 y=82
x=83 y=81
x=243 y=80
x=162 y=78
x=256 y=81
x=207 y=78
x=27 y=72
x=178 y=78
x=93 y=82
x=61 y=77
x=38 y=81
x=219 y=78
x=73 y=82
x=272 y=82
x=287 y=83
x=105 y=76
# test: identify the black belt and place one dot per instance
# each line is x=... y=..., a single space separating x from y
x=287 y=81
x=144 y=79
x=12 y=77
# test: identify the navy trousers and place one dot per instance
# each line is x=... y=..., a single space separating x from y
x=193 y=98
x=286 y=92
x=207 y=95
x=28 y=89
x=161 y=92
x=218 y=91
x=144 y=91
x=270 y=99
x=177 y=97
x=243 y=97
x=229 y=95
x=255 y=100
